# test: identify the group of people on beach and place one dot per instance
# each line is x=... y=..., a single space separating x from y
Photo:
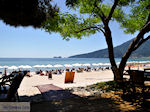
x=60 y=71
x=50 y=72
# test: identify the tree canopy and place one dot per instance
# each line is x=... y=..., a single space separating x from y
x=72 y=25
x=140 y=15
x=26 y=12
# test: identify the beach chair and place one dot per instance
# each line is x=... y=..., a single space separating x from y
x=138 y=81
x=79 y=70
x=69 y=77
x=120 y=81
x=11 y=94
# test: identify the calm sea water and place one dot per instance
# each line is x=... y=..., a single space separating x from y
x=53 y=61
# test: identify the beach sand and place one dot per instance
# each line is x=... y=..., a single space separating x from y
x=28 y=85
x=103 y=102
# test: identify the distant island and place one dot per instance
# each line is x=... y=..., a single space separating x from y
x=57 y=57
x=142 y=52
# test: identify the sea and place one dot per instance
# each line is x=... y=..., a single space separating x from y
x=102 y=62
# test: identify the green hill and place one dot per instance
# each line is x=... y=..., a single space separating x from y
x=142 y=51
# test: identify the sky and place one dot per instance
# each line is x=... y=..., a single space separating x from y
x=28 y=42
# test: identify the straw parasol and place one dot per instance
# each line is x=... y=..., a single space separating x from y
x=13 y=67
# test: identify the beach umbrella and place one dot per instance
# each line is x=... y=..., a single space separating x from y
x=132 y=62
x=43 y=66
x=129 y=62
x=5 y=66
x=145 y=61
x=37 y=66
x=1 y=67
x=13 y=67
x=118 y=63
x=21 y=66
x=58 y=65
x=99 y=63
x=87 y=64
x=27 y=66
x=76 y=64
x=49 y=66
x=68 y=65
x=106 y=64
x=95 y=64
x=147 y=65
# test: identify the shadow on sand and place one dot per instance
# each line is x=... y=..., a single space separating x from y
x=100 y=103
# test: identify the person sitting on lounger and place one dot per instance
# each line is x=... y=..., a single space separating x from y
x=41 y=72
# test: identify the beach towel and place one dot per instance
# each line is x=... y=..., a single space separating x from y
x=69 y=77
x=52 y=92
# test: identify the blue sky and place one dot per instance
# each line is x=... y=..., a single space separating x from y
x=27 y=42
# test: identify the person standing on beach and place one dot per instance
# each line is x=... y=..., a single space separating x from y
x=5 y=72
x=50 y=75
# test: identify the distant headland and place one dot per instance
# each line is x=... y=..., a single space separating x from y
x=57 y=57
x=142 y=52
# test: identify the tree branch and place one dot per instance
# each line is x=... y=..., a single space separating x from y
x=112 y=10
x=88 y=28
x=102 y=30
x=102 y=16
x=141 y=42
x=144 y=30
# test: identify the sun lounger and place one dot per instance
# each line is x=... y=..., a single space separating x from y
x=69 y=77
x=80 y=70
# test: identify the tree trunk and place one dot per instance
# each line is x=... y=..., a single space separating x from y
x=131 y=48
x=108 y=38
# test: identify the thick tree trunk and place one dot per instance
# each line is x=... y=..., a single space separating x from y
x=108 y=38
x=132 y=46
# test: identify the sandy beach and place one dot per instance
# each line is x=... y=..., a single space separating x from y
x=28 y=85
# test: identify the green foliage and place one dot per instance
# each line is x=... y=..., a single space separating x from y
x=125 y=2
x=90 y=20
x=107 y=86
x=138 y=17
x=68 y=25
